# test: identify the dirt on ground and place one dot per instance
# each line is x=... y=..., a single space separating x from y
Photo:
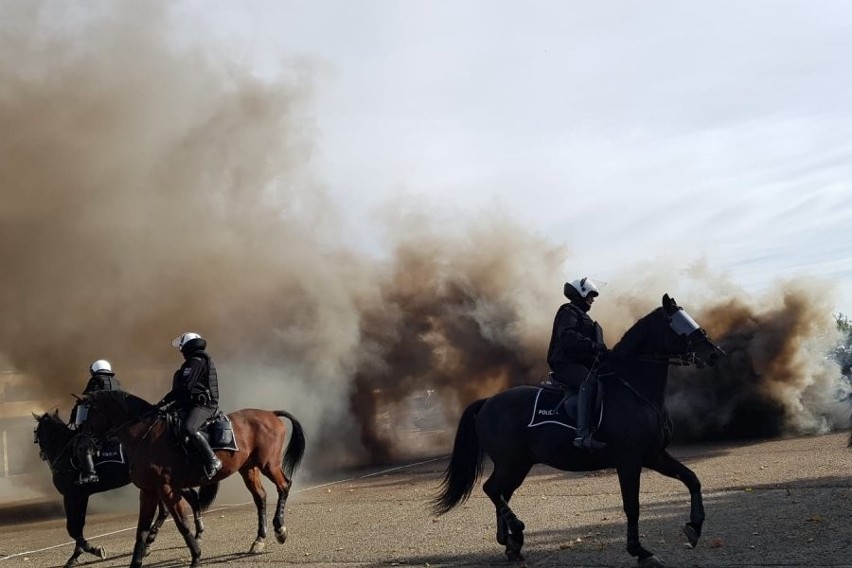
x=770 y=503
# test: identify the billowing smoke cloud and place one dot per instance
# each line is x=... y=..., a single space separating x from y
x=777 y=377
x=151 y=187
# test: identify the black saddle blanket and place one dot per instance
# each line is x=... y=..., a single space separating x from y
x=218 y=431
x=554 y=405
x=110 y=451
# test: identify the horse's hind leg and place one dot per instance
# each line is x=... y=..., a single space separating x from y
x=275 y=473
x=500 y=487
x=191 y=497
x=251 y=477
x=670 y=467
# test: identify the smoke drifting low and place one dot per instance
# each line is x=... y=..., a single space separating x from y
x=150 y=187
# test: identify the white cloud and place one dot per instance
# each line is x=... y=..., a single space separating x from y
x=627 y=131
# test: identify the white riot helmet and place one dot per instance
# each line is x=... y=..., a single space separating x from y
x=181 y=341
x=101 y=366
x=583 y=287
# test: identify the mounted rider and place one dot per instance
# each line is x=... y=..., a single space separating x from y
x=195 y=392
x=576 y=350
x=102 y=378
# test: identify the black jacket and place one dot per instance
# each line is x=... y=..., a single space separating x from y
x=102 y=382
x=576 y=338
x=196 y=383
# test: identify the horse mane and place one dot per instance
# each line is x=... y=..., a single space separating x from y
x=629 y=344
x=130 y=403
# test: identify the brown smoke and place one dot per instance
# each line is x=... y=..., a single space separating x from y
x=776 y=379
x=151 y=187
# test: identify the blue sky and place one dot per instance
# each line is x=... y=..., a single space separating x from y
x=631 y=132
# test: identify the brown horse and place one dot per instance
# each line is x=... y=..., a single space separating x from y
x=55 y=440
x=161 y=469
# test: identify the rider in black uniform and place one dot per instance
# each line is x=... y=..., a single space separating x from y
x=102 y=378
x=195 y=391
x=576 y=349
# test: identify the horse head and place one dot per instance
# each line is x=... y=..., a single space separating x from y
x=50 y=433
x=687 y=339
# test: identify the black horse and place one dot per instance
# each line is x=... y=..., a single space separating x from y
x=634 y=423
x=54 y=438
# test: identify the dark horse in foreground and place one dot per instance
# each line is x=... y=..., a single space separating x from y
x=160 y=469
x=54 y=438
x=635 y=425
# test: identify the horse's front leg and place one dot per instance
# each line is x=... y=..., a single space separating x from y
x=162 y=515
x=628 y=479
x=75 y=521
x=670 y=467
x=147 y=507
x=175 y=503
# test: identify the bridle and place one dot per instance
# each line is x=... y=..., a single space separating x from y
x=684 y=326
x=48 y=441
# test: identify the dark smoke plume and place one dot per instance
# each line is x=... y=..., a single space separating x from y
x=151 y=186
x=776 y=379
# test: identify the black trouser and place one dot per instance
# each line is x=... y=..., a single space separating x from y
x=196 y=416
x=571 y=375
x=585 y=383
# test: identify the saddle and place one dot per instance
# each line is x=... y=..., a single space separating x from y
x=217 y=430
x=557 y=404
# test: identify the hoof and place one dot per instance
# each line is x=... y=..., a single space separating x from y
x=100 y=552
x=281 y=534
x=71 y=562
x=514 y=556
x=257 y=547
x=692 y=535
x=513 y=549
x=502 y=533
x=651 y=562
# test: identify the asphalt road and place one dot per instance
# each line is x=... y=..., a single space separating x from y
x=776 y=503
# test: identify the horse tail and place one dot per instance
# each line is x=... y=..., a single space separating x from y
x=465 y=464
x=296 y=447
x=206 y=495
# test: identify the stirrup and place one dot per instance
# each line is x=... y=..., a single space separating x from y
x=90 y=478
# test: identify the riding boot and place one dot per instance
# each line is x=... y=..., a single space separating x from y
x=88 y=475
x=212 y=464
x=585 y=403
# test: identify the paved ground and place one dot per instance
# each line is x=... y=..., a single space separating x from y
x=778 y=503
